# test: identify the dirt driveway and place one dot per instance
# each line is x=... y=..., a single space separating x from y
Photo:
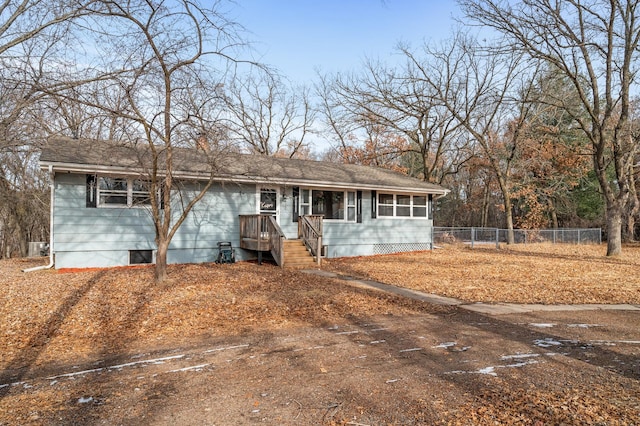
x=460 y=367
x=313 y=351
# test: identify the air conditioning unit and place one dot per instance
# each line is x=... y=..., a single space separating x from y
x=38 y=248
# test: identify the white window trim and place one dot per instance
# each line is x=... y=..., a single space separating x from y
x=346 y=203
x=395 y=206
x=129 y=195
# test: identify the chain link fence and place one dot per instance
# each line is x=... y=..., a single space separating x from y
x=473 y=236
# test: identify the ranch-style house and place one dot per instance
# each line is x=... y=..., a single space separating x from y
x=295 y=211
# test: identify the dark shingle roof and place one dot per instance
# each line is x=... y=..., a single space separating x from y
x=83 y=155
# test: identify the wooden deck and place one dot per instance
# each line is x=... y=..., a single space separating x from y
x=261 y=233
x=255 y=244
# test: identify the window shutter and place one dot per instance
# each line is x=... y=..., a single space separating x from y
x=430 y=207
x=296 y=203
x=359 y=206
x=91 y=196
x=374 y=204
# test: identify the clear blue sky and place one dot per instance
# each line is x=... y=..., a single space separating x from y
x=298 y=36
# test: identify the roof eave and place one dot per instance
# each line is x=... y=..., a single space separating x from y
x=92 y=169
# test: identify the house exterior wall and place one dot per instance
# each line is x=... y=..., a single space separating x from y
x=102 y=237
x=372 y=236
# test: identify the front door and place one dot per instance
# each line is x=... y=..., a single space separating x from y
x=268 y=202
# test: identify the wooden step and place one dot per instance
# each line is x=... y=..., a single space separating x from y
x=296 y=255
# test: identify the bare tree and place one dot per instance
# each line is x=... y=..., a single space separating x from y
x=31 y=32
x=266 y=117
x=32 y=35
x=595 y=45
x=386 y=98
x=486 y=93
x=166 y=62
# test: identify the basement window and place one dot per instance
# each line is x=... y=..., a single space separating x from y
x=140 y=257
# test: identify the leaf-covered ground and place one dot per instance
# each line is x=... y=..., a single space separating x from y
x=534 y=273
x=63 y=315
x=314 y=350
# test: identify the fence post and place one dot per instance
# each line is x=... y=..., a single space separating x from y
x=497 y=238
x=433 y=234
x=579 y=240
x=472 y=236
x=555 y=231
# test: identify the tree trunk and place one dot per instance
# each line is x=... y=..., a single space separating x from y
x=629 y=230
x=161 y=261
x=23 y=244
x=553 y=212
x=506 y=197
x=509 y=218
x=614 y=230
x=485 y=206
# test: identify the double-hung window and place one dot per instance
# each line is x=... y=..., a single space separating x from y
x=122 y=192
x=385 y=205
x=419 y=206
x=403 y=205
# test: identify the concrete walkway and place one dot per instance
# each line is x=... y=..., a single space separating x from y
x=485 y=308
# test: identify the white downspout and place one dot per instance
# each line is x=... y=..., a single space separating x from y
x=51 y=203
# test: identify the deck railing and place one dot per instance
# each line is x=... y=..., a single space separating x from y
x=261 y=232
x=310 y=231
x=253 y=232
x=276 y=240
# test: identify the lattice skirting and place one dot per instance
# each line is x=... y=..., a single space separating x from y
x=389 y=248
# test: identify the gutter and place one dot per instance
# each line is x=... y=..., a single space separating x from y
x=51 y=203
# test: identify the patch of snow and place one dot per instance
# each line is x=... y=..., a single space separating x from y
x=542 y=325
x=491 y=370
x=194 y=367
x=156 y=361
x=375 y=342
x=410 y=350
x=85 y=400
x=392 y=380
x=226 y=348
x=584 y=325
x=116 y=367
x=546 y=343
x=445 y=345
x=348 y=332
x=519 y=364
x=487 y=370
